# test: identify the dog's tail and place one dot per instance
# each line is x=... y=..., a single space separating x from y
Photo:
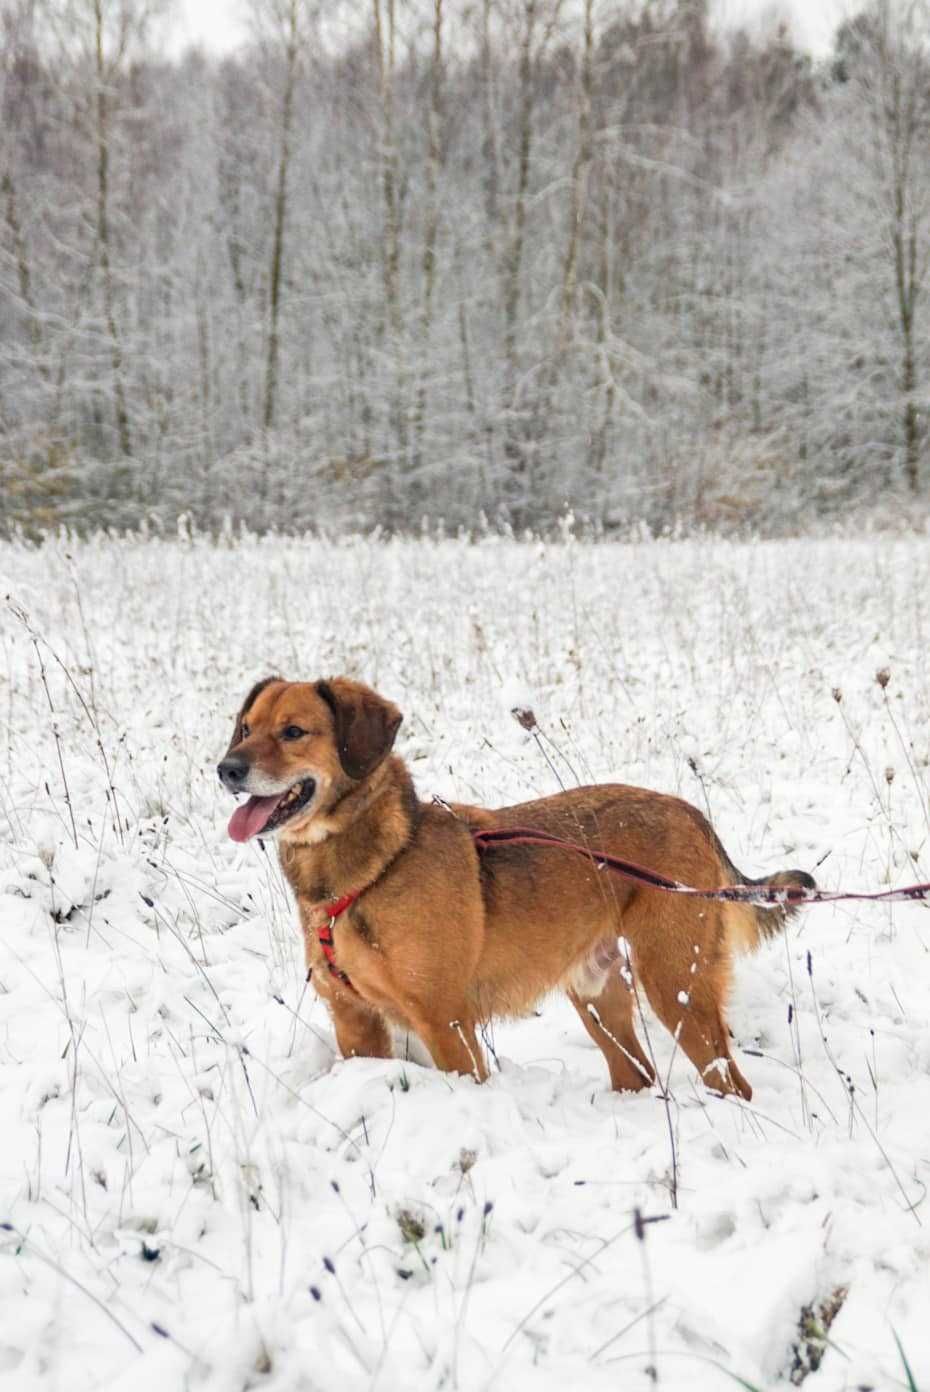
x=749 y=925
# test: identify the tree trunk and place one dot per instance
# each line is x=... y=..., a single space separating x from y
x=280 y=215
x=904 y=241
x=433 y=163
x=579 y=187
x=24 y=275
x=395 y=503
x=514 y=259
x=489 y=134
x=103 y=237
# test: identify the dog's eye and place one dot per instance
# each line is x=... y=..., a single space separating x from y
x=292 y=732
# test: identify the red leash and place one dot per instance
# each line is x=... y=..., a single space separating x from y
x=760 y=895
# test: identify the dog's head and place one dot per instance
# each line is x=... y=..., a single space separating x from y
x=298 y=747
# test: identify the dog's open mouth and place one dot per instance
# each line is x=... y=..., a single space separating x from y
x=269 y=813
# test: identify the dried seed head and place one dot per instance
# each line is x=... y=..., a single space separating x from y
x=837 y=694
x=524 y=716
x=889 y=775
x=883 y=677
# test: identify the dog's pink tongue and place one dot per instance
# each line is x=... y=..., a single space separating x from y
x=249 y=819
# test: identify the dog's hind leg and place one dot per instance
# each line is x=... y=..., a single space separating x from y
x=687 y=987
x=702 y=1034
x=608 y=1018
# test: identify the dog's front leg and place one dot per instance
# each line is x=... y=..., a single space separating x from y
x=361 y=1032
x=453 y=1045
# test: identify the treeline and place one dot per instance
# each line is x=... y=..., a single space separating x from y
x=486 y=260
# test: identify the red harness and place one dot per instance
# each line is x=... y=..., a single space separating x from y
x=325 y=935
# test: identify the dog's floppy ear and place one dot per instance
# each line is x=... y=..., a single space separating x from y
x=253 y=695
x=365 y=724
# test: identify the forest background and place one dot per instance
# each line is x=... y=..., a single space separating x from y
x=477 y=262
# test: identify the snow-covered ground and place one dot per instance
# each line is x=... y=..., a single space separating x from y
x=197 y=1193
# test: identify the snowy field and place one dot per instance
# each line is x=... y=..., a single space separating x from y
x=197 y=1193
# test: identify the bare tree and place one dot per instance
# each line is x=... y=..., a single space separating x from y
x=100 y=38
x=284 y=25
x=885 y=54
x=578 y=191
x=434 y=143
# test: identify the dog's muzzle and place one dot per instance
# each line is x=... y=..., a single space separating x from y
x=233 y=771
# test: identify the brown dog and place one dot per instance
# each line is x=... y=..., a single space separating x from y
x=440 y=940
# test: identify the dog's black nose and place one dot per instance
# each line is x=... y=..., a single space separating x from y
x=233 y=771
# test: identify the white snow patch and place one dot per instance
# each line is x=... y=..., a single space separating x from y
x=198 y=1192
